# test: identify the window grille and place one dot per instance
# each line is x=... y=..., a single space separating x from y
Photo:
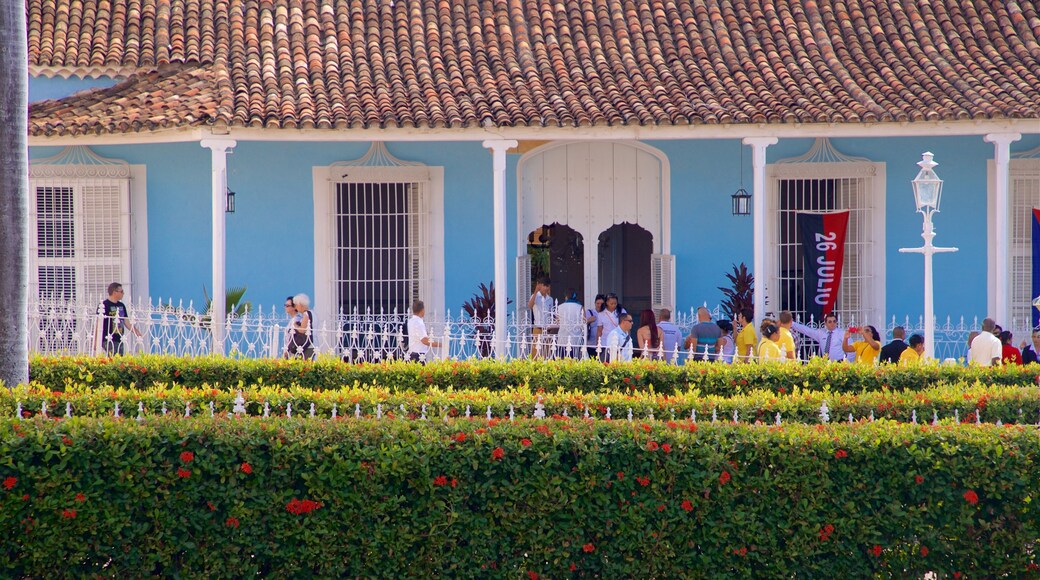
x=818 y=187
x=381 y=245
x=1023 y=195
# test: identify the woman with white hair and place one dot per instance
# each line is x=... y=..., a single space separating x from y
x=302 y=343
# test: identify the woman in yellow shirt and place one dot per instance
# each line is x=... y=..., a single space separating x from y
x=746 y=337
x=769 y=348
x=868 y=349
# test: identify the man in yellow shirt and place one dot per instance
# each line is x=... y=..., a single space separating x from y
x=912 y=355
x=746 y=337
x=868 y=349
x=786 y=338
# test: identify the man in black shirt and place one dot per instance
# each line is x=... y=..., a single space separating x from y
x=114 y=321
x=891 y=352
x=1029 y=353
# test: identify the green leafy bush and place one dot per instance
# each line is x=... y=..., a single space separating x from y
x=583 y=376
x=950 y=403
x=293 y=497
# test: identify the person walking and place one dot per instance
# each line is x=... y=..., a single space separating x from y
x=828 y=337
x=419 y=342
x=302 y=343
x=703 y=337
x=290 y=310
x=571 y=317
x=114 y=322
x=619 y=341
x=866 y=350
x=1008 y=353
x=746 y=339
x=671 y=336
x=985 y=349
x=891 y=352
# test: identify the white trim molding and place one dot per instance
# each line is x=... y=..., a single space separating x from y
x=377 y=166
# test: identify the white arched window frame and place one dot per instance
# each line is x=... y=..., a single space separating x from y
x=591 y=186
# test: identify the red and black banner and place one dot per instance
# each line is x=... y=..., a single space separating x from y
x=823 y=248
x=1036 y=268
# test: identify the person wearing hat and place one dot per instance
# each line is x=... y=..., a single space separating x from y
x=769 y=348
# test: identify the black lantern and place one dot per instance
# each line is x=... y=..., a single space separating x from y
x=741 y=202
x=230 y=203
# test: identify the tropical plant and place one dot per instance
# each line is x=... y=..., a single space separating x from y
x=740 y=293
x=234 y=303
x=481 y=307
x=14 y=194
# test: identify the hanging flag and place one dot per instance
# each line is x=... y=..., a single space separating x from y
x=1036 y=267
x=823 y=248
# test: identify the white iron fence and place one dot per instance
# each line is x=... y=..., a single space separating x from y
x=75 y=328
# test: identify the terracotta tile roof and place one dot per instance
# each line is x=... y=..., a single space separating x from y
x=466 y=63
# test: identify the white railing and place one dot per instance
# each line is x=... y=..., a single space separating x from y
x=70 y=328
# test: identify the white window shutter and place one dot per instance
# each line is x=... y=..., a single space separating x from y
x=523 y=285
x=105 y=218
x=662 y=281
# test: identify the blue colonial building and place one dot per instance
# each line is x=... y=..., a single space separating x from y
x=382 y=151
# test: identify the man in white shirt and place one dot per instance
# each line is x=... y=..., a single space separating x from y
x=419 y=342
x=619 y=341
x=986 y=350
x=828 y=337
x=571 y=316
x=541 y=305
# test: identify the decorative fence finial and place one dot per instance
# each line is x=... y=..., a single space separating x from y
x=18 y=410
x=68 y=410
x=163 y=408
x=379 y=410
x=736 y=416
x=43 y=409
x=288 y=409
x=693 y=415
x=913 y=416
x=240 y=404
x=312 y=410
x=335 y=410
x=187 y=408
x=608 y=414
x=488 y=415
x=511 y=414
x=935 y=417
x=117 y=409
x=777 y=422
x=851 y=421
x=467 y=411
x=825 y=413
x=212 y=409
x=630 y=414
x=267 y=409
x=140 y=411
x=978 y=416
x=872 y=415
x=715 y=415
x=357 y=411
x=539 y=409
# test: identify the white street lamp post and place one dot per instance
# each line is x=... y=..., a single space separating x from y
x=927 y=194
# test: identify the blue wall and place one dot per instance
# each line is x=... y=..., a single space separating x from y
x=43 y=88
x=270 y=237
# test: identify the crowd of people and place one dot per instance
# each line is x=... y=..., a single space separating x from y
x=606 y=331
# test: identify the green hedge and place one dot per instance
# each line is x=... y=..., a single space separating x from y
x=1019 y=405
x=588 y=376
x=291 y=498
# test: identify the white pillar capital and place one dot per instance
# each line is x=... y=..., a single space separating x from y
x=498 y=149
x=758 y=212
x=1002 y=138
x=217 y=144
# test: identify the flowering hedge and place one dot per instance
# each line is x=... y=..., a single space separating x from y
x=948 y=403
x=585 y=376
x=288 y=497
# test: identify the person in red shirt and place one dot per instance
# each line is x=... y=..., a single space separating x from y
x=1009 y=354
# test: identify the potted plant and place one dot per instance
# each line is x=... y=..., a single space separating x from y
x=481 y=309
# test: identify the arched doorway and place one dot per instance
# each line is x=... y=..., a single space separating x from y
x=624 y=266
x=558 y=252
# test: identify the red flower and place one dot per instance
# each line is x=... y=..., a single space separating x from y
x=440 y=480
x=25 y=497
x=460 y=437
x=643 y=481
x=924 y=550
x=971 y=497
x=480 y=431
x=646 y=427
x=80 y=497
x=956 y=574
x=525 y=442
x=187 y=456
x=672 y=424
x=231 y=522
x=588 y=548
x=876 y=550
x=212 y=507
x=652 y=446
x=246 y=468
x=687 y=505
x=660 y=508
x=573 y=567
x=741 y=552
x=724 y=478
x=919 y=479
x=183 y=473
x=68 y=514
x=841 y=454
x=666 y=447
x=497 y=454
x=305 y=506
x=10 y=482
x=66 y=440
x=532 y=575
x=621 y=475
x=454 y=482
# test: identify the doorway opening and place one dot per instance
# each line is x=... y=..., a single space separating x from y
x=624 y=266
x=557 y=251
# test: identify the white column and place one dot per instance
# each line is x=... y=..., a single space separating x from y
x=758 y=212
x=219 y=151
x=1001 y=156
x=498 y=149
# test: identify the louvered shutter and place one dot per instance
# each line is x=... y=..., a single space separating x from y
x=662 y=281
x=523 y=287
